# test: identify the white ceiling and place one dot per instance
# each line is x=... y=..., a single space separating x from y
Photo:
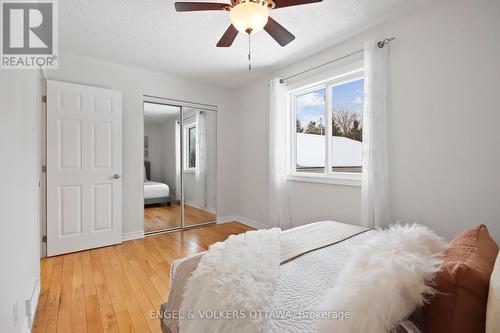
x=150 y=34
x=158 y=113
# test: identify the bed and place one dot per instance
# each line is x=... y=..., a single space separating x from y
x=154 y=192
x=313 y=261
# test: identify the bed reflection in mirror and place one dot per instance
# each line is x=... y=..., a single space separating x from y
x=162 y=162
x=199 y=166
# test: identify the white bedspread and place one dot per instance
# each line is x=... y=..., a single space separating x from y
x=304 y=280
x=228 y=274
x=155 y=190
x=221 y=281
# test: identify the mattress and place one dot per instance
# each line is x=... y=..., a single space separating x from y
x=153 y=190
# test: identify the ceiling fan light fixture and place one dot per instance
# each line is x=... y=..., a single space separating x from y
x=250 y=16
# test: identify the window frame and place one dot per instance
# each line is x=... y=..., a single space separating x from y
x=328 y=176
x=187 y=128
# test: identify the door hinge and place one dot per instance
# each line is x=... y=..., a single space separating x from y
x=44 y=239
x=44 y=168
x=44 y=99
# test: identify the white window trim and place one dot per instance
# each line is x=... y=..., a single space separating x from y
x=328 y=177
x=344 y=179
x=187 y=127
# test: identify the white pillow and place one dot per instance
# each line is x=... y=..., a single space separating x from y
x=493 y=307
x=384 y=280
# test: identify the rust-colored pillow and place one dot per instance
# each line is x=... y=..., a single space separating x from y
x=462 y=284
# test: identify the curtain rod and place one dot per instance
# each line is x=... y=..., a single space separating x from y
x=380 y=44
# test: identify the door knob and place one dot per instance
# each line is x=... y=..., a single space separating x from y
x=116 y=176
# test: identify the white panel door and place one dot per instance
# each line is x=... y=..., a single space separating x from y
x=84 y=167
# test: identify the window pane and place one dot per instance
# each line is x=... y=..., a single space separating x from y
x=310 y=132
x=192 y=147
x=347 y=127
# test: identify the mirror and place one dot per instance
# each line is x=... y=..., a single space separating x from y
x=162 y=163
x=199 y=166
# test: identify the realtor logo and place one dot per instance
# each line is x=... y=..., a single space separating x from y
x=29 y=34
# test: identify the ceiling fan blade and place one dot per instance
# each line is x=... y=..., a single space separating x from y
x=288 y=3
x=228 y=37
x=198 y=6
x=278 y=32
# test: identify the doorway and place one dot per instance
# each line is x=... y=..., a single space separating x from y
x=180 y=140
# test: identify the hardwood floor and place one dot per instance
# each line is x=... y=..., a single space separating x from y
x=161 y=217
x=193 y=216
x=166 y=217
x=114 y=289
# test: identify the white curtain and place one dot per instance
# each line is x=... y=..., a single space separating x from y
x=279 y=213
x=201 y=165
x=178 y=162
x=375 y=184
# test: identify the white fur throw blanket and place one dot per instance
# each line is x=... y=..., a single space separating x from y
x=385 y=280
x=240 y=274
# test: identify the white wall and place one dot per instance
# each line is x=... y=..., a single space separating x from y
x=444 y=142
x=156 y=149
x=169 y=161
x=133 y=83
x=190 y=187
x=211 y=153
x=19 y=226
x=161 y=135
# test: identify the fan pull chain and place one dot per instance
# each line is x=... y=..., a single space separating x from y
x=249 y=52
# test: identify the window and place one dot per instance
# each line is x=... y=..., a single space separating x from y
x=190 y=132
x=326 y=130
x=310 y=131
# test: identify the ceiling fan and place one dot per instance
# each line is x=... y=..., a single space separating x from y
x=248 y=16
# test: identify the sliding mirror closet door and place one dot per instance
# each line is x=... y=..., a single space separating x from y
x=199 y=165
x=162 y=165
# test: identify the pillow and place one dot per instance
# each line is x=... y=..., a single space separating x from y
x=462 y=284
x=145 y=176
x=384 y=280
x=493 y=309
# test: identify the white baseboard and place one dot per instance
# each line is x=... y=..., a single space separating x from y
x=242 y=220
x=252 y=223
x=26 y=326
x=133 y=235
x=31 y=304
x=226 y=219
x=194 y=205
x=210 y=210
